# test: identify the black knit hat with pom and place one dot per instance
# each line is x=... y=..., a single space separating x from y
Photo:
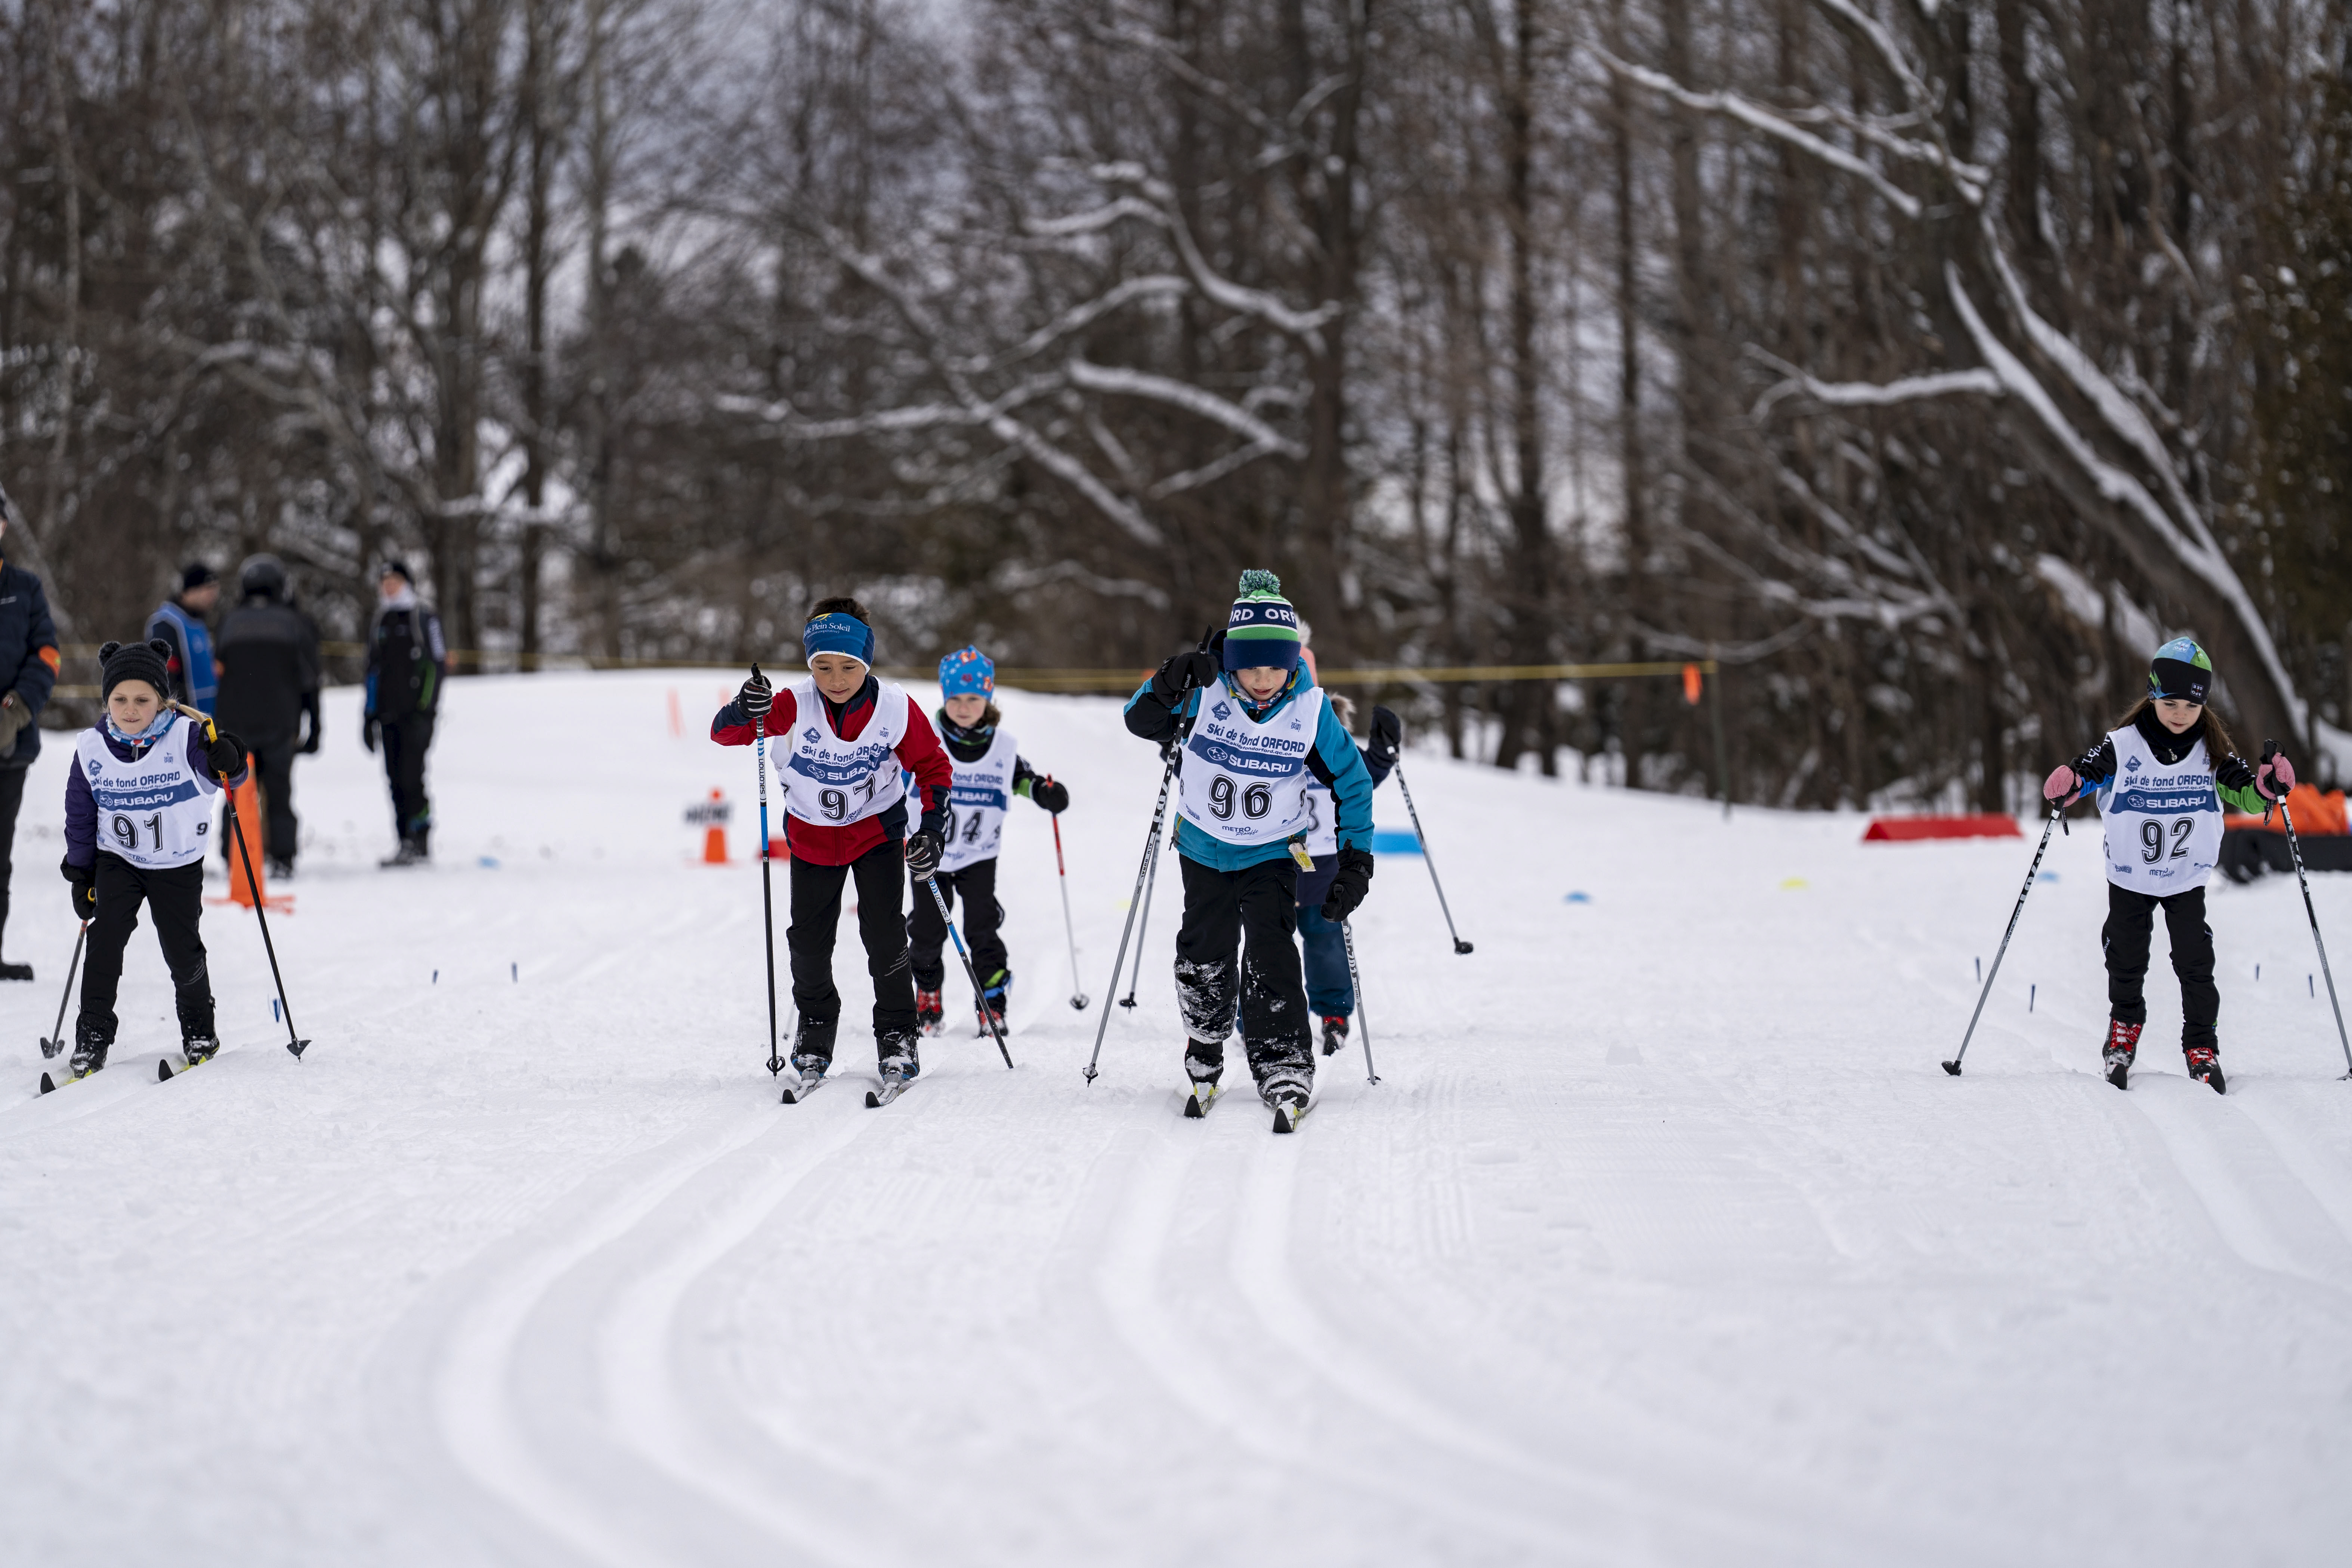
x=147 y=661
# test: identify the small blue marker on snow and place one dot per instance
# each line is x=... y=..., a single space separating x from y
x=514 y=973
x=1578 y=899
x=1980 y=971
x=437 y=977
x=273 y=1010
x=2049 y=876
x=2258 y=972
x=2030 y=992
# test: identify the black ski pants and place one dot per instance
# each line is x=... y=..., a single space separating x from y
x=12 y=796
x=2131 y=920
x=273 y=775
x=881 y=874
x=1256 y=911
x=406 y=740
x=175 y=897
x=983 y=920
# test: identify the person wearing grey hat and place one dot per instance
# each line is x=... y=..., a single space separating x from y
x=28 y=670
x=268 y=651
x=180 y=621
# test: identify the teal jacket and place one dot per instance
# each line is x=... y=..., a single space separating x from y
x=1154 y=715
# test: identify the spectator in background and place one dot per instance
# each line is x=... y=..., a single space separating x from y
x=407 y=663
x=268 y=653
x=180 y=620
x=28 y=670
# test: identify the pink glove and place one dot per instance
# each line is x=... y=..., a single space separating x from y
x=2276 y=778
x=2061 y=784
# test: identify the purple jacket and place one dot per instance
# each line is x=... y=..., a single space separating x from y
x=81 y=806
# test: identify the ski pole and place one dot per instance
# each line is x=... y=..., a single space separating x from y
x=1150 y=886
x=2270 y=749
x=1347 y=935
x=253 y=885
x=1077 y=991
x=50 y=1047
x=1134 y=902
x=2056 y=810
x=1459 y=945
x=767 y=887
x=985 y=1010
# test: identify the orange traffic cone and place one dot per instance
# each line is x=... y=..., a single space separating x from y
x=714 y=837
x=246 y=798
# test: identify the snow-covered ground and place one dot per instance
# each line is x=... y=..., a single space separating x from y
x=1663 y=1238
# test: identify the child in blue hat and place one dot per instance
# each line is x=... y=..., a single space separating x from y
x=989 y=770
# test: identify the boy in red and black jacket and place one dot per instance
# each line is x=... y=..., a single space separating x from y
x=841 y=740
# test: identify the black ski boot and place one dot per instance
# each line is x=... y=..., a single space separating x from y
x=1287 y=1095
x=2122 y=1040
x=930 y=1011
x=199 y=1048
x=91 y=1044
x=2205 y=1066
x=16 y=971
x=812 y=1046
x=1334 y=1034
x=1203 y=1064
x=899 y=1062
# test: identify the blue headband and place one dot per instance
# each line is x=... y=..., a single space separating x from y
x=839 y=633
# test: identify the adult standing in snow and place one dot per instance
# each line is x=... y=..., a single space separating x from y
x=268 y=652
x=28 y=670
x=407 y=665
x=180 y=621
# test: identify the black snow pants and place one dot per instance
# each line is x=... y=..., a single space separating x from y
x=12 y=796
x=881 y=874
x=406 y=740
x=983 y=919
x=177 y=900
x=2131 y=920
x=278 y=833
x=1254 y=909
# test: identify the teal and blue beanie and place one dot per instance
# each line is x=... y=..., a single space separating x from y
x=1262 y=630
x=967 y=672
x=2180 y=670
x=838 y=633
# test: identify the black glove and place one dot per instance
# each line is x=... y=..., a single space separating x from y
x=1350 y=883
x=225 y=754
x=1194 y=667
x=311 y=712
x=369 y=728
x=755 y=695
x=1054 y=797
x=922 y=852
x=85 y=887
x=1388 y=735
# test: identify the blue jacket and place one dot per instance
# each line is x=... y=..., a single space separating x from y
x=28 y=655
x=193 y=680
x=1334 y=762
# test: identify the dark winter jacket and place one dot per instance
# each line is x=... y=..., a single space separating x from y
x=407 y=662
x=269 y=670
x=81 y=806
x=1333 y=759
x=191 y=665
x=2234 y=777
x=28 y=656
x=918 y=752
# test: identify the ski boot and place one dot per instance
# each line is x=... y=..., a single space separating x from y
x=90 y=1046
x=930 y=1011
x=1334 y=1034
x=991 y=1004
x=898 y=1063
x=2122 y=1040
x=2205 y=1066
x=1203 y=1064
x=1285 y=1094
x=16 y=971
x=199 y=1048
x=812 y=1046
x=280 y=870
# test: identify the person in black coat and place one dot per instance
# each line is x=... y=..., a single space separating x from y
x=28 y=670
x=268 y=653
x=407 y=665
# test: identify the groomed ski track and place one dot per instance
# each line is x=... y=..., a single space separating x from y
x=1662 y=1240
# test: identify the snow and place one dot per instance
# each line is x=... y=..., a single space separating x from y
x=1662 y=1239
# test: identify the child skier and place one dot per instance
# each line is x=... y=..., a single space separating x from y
x=1330 y=988
x=841 y=740
x=2163 y=834
x=989 y=770
x=1255 y=732
x=138 y=811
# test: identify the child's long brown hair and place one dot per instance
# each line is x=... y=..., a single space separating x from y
x=2218 y=744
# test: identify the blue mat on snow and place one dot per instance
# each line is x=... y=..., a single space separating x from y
x=1392 y=841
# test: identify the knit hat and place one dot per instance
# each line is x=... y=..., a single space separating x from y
x=196 y=575
x=838 y=633
x=1262 y=630
x=395 y=567
x=967 y=672
x=2180 y=670
x=147 y=661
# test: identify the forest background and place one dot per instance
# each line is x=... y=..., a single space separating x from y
x=1923 y=363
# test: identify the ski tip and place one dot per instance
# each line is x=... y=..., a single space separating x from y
x=873 y=1099
x=48 y=1084
x=1282 y=1122
x=162 y=1071
x=1193 y=1111
x=1952 y=1068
